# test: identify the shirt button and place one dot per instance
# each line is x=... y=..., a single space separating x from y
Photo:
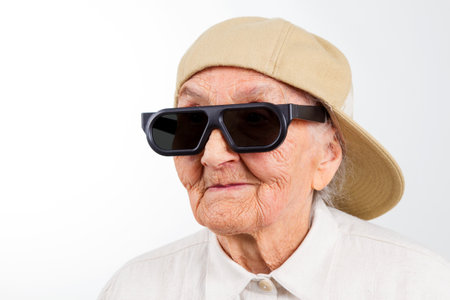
x=266 y=285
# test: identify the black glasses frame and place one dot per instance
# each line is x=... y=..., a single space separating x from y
x=285 y=112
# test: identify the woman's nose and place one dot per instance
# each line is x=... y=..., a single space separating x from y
x=217 y=152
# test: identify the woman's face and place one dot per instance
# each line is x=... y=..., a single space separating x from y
x=233 y=193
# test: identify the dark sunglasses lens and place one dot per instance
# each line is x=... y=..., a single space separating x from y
x=179 y=131
x=252 y=126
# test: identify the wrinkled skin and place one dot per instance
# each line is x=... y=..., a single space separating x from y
x=258 y=204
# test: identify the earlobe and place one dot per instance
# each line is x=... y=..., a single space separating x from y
x=327 y=167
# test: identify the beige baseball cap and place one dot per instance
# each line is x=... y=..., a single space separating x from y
x=283 y=51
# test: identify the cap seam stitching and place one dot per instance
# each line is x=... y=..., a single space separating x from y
x=278 y=50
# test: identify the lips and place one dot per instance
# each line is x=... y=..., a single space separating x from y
x=227 y=186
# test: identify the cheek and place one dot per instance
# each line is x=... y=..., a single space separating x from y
x=285 y=173
x=189 y=170
x=276 y=166
x=190 y=173
x=274 y=171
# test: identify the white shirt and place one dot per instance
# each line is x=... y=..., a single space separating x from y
x=342 y=257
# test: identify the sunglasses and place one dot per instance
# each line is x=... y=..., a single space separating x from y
x=250 y=127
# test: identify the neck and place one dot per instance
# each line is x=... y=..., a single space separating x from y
x=267 y=249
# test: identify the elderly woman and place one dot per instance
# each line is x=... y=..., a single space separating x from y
x=281 y=178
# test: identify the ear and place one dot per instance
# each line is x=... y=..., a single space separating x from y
x=329 y=163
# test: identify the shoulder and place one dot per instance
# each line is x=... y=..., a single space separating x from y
x=388 y=260
x=184 y=246
x=162 y=272
x=357 y=230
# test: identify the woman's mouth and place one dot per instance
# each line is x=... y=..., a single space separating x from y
x=229 y=186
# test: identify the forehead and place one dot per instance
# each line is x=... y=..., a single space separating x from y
x=233 y=85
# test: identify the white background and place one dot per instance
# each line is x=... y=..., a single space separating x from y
x=81 y=192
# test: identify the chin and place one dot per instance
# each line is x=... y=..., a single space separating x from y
x=229 y=223
x=230 y=230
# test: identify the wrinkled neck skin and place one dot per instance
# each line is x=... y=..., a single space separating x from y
x=267 y=249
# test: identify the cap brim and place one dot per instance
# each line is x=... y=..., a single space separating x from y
x=374 y=182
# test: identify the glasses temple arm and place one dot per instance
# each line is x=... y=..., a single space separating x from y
x=308 y=112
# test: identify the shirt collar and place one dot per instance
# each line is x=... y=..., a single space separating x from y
x=225 y=279
x=304 y=274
